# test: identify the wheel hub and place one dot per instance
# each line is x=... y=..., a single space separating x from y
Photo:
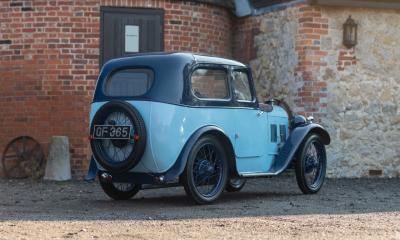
x=206 y=168
x=311 y=164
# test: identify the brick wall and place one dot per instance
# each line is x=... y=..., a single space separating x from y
x=243 y=38
x=312 y=95
x=49 y=53
x=257 y=35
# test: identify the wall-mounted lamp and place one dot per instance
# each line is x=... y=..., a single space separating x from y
x=350 y=33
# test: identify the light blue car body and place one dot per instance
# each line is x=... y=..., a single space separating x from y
x=260 y=143
x=170 y=126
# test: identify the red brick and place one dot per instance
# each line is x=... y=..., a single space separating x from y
x=52 y=91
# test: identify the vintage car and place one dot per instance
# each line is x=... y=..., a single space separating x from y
x=169 y=119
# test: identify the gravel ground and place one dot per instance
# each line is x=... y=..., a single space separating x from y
x=265 y=209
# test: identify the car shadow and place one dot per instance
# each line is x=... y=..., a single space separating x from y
x=259 y=198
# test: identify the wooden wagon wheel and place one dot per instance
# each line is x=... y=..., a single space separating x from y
x=23 y=157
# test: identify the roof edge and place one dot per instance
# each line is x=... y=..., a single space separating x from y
x=222 y=3
x=387 y=4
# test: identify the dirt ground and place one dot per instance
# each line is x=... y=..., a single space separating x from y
x=265 y=209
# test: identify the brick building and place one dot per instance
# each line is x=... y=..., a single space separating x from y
x=51 y=52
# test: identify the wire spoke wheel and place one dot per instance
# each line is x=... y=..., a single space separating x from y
x=113 y=154
x=124 y=187
x=206 y=171
x=23 y=157
x=311 y=165
x=120 y=190
x=235 y=184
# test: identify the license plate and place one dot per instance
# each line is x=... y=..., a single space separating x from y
x=111 y=132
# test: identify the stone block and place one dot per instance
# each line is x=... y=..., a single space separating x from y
x=58 y=166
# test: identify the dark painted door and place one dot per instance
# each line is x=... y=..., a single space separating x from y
x=126 y=31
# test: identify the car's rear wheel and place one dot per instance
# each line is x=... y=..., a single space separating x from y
x=310 y=165
x=206 y=171
x=119 y=155
x=235 y=184
x=119 y=191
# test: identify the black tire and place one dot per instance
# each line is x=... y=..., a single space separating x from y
x=310 y=161
x=115 y=192
x=235 y=184
x=136 y=144
x=210 y=168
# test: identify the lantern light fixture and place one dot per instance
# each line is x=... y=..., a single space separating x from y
x=350 y=33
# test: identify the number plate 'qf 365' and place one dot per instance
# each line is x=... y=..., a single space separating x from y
x=111 y=132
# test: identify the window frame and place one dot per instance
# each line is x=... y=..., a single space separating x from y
x=108 y=78
x=212 y=67
x=244 y=103
x=249 y=84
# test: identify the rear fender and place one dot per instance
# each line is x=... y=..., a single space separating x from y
x=179 y=166
x=92 y=171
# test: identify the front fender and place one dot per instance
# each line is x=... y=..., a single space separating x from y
x=292 y=144
x=179 y=166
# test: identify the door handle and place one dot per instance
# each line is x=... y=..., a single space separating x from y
x=260 y=113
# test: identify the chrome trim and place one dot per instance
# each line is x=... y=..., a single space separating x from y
x=250 y=174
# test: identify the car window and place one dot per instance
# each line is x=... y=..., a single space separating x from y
x=129 y=83
x=210 y=83
x=242 y=86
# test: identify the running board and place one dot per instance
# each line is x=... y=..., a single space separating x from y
x=276 y=169
x=251 y=175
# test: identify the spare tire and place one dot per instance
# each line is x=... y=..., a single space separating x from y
x=119 y=155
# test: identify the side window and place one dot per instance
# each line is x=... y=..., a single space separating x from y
x=274 y=133
x=242 y=86
x=129 y=83
x=210 y=83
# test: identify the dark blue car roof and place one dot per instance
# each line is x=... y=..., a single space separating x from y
x=170 y=72
x=182 y=56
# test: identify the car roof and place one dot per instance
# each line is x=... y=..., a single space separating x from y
x=216 y=60
x=170 y=70
x=183 y=56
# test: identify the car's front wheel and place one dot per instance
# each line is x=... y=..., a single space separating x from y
x=310 y=165
x=119 y=191
x=206 y=172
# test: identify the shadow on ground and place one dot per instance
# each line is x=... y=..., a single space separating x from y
x=51 y=201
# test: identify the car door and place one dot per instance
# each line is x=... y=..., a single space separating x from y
x=250 y=121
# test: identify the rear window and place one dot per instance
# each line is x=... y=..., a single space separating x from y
x=210 y=83
x=129 y=83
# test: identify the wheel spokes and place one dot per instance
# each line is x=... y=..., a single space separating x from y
x=23 y=157
x=118 y=150
x=207 y=170
x=313 y=164
x=124 y=187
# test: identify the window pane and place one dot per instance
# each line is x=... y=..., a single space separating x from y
x=129 y=83
x=274 y=133
x=131 y=38
x=242 y=86
x=210 y=83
